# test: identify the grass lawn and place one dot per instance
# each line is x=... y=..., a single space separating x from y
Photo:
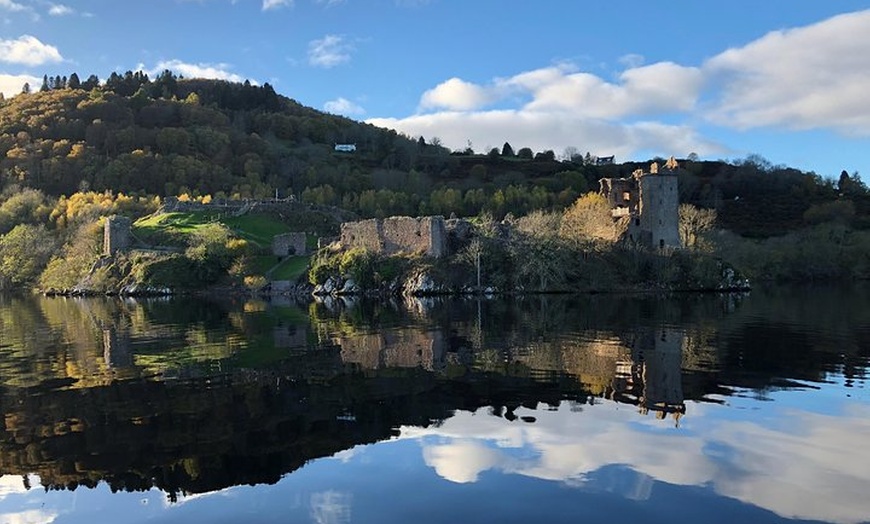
x=258 y=229
x=184 y=223
x=291 y=268
x=264 y=263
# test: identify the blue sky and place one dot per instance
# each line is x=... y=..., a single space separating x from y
x=786 y=79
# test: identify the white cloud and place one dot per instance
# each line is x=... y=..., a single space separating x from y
x=330 y=3
x=560 y=107
x=329 y=51
x=32 y=516
x=28 y=50
x=656 y=88
x=632 y=60
x=200 y=70
x=276 y=4
x=9 y=5
x=10 y=85
x=552 y=130
x=805 y=78
x=457 y=95
x=60 y=10
x=343 y=106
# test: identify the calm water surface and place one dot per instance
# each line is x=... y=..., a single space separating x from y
x=691 y=408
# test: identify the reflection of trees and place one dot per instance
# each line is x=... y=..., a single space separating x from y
x=74 y=342
x=248 y=427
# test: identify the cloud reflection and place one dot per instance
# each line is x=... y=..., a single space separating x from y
x=796 y=464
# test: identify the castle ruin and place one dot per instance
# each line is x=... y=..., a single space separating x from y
x=390 y=236
x=650 y=201
x=116 y=234
x=289 y=244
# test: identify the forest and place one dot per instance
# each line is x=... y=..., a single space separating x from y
x=73 y=150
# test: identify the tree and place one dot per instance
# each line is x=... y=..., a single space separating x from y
x=547 y=155
x=79 y=253
x=211 y=248
x=525 y=153
x=25 y=89
x=91 y=83
x=74 y=82
x=589 y=218
x=851 y=185
x=572 y=154
x=44 y=87
x=507 y=150
x=540 y=256
x=24 y=252
x=693 y=222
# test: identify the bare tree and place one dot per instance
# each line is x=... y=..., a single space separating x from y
x=693 y=222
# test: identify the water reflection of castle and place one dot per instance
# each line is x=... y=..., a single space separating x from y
x=641 y=368
x=652 y=377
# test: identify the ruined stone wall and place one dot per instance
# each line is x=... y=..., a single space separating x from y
x=116 y=234
x=620 y=193
x=390 y=236
x=365 y=234
x=289 y=244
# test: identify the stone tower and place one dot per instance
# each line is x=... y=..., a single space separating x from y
x=659 y=210
x=116 y=234
x=650 y=201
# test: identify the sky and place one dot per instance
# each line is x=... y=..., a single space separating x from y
x=785 y=79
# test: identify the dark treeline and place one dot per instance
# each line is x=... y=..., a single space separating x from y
x=170 y=136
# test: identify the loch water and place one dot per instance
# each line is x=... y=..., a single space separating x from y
x=618 y=408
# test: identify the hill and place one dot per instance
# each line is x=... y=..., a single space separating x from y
x=171 y=136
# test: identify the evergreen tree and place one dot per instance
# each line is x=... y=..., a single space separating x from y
x=507 y=150
x=91 y=83
x=74 y=82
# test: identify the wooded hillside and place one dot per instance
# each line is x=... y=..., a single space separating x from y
x=171 y=136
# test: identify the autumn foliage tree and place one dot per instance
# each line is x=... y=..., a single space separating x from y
x=589 y=218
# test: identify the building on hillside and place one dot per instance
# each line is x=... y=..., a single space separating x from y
x=605 y=160
x=345 y=148
x=649 y=203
